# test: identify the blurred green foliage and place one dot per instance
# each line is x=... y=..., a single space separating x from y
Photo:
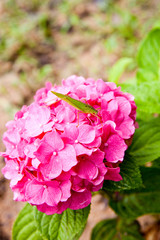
x=70 y=37
x=23 y=24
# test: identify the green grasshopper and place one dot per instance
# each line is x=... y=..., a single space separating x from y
x=83 y=107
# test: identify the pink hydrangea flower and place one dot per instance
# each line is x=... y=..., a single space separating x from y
x=56 y=156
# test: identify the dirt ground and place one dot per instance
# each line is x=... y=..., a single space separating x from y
x=50 y=41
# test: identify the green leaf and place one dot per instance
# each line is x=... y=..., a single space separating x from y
x=149 y=54
x=131 y=205
x=24 y=227
x=68 y=225
x=130 y=173
x=118 y=69
x=116 y=229
x=145 y=75
x=156 y=163
x=146 y=142
x=151 y=179
x=146 y=89
x=147 y=96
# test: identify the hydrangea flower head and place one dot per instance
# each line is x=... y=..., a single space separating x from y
x=56 y=155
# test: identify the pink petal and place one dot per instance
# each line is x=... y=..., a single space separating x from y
x=29 y=150
x=68 y=157
x=80 y=200
x=114 y=152
x=52 y=194
x=52 y=169
x=112 y=108
x=113 y=174
x=65 y=176
x=108 y=130
x=102 y=86
x=102 y=169
x=80 y=149
x=44 y=152
x=86 y=134
x=87 y=170
x=66 y=190
x=34 y=193
x=35 y=163
x=124 y=105
x=96 y=143
x=108 y=96
x=66 y=114
x=16 y=179
x=71 y=131
x=81 y=91
x=32 y=127
x=11 y=169
x=48 y=127
x=78 y=184
x=96 y=182
x=50 y=99
x=97 y=157
x=39 y=113
x=97 y=187
x=12 y=136
x=54 y=140
x=49 y=210
x=106 y=115
x=126 y=128
x=38 y=116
